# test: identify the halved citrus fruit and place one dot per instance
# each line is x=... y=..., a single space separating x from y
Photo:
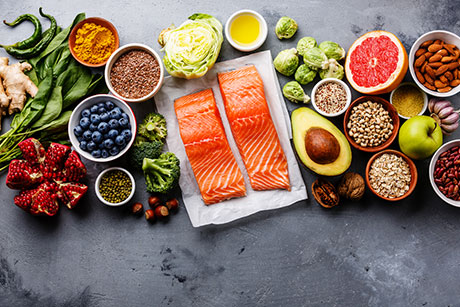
x=376 y=63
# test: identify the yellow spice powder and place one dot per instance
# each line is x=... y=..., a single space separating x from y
x=408 y=100
x=94 y=43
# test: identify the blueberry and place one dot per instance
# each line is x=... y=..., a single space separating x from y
x=129 y=127
x=118 y=109
x=113 y=134
x=85 y=113
x=94 y=109
x=115 y=113
x=124 y=115
x=95 y=118
x=105 y=117
x=96 y=137
x=78 y=130
x=80 y=138
x=84 y=122
x=83 y=145
x=101 y=110
x=122 y=146
x=96 y=153
x=123 y=122
x=114 y=151
x=113 y=124
x=104 y=153
x=103 y=127
x=106 y=136
x=109 y=105
x=108 y=143
x=101 y=105
x=120 y=140
x=91 y=146
x=93 y=127
x=127 y=134
x=87 y=135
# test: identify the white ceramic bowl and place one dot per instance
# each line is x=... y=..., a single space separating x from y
x=445 y=36
x=425 y=98
x=87 y=103
x=124 y=49
x=340 y=82
x=431 y=169
x=262 y=31
x=98 y=182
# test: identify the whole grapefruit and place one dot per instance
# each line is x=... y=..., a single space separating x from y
x=376 y=63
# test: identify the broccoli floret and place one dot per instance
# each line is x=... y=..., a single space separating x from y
x=143 y=148
x=161 y=174
x=153 y=127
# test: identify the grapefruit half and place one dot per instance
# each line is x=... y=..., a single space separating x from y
x=376 y=63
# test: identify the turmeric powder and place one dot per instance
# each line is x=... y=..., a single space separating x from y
x=94 y=43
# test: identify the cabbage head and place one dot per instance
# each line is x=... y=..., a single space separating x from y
x=332 y=50
x=192 y=48
x=334 y=70
x=286 y=62
x=304 y=44
x=305 y=74
x=295 y=93
x=316 y=58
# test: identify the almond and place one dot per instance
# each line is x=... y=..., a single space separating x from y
x=456 y=54
x=443 y=79
x=456 y=74
x=423 y=68
x=429 y=86
x=426 y=44
x=435 y=58
x=442 y=52
x=439 y=84
x=447 y=59
x=434 y=47
x=455 y=82
x=450 y=48
x=420 y=61
x=435 y=64
x=442 y=69
x=430 y=71
x=428 y=55
x=438 y=42
x=420 y=77
x=420 y=52
x=428 y=79
x=449 y=75
x=451 y=66
x=444 y=89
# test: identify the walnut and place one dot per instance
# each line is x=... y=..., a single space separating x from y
x=351 y=186
x=325 y=193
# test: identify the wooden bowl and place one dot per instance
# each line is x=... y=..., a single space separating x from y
x=98 y=21
x=412 y=168
x=387 y=106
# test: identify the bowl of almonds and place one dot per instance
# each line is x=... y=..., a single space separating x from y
x=391 y=175
x=434 y=63
x=371 y=123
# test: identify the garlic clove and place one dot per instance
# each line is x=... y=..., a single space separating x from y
x=447 y=129
x=450 y=119
x=445 y=112
x=440 y=104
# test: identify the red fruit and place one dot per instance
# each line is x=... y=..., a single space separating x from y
x=54 y=161
x=32 y=151
x=24 y=199
x=71 y=193
x=74 y=169
x=40 y=201
x=22 y=175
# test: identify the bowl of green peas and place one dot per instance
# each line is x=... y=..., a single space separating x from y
x=115 y=186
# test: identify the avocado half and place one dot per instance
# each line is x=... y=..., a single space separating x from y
x=302 y=120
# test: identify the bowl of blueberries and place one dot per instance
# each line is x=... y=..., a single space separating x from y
x=102 y=128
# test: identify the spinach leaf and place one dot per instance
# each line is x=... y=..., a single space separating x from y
x=52 y=110
x=78 y=90
x=58 y=123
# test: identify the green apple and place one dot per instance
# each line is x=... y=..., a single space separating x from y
x=419 y=137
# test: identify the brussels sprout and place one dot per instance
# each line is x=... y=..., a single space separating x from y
x=304 y=44
x=305 y=74
x=285 y=27
x=335 y=70
x=286 y=61
x=294 y=92
x=332 y=50
x=316 y=58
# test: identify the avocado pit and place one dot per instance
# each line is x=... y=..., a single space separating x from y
x=321 y=145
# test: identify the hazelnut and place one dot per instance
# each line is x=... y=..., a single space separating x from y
x=161 y=211
x=172 y=204
x=154 y=201
x=149 y=215
x=137 y=208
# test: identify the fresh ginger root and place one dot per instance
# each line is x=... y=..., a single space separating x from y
x=16 y=84
x=4 y=102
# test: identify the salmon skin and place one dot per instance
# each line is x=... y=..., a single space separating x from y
x=213 y=163
x=253 y=129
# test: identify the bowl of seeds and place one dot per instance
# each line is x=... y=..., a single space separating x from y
x=134 y=73
x=371 y=123
x=115 y=186
x=330 y=97
x=391 y=175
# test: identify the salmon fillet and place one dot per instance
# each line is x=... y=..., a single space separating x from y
x=253 y=129
x=213 y=163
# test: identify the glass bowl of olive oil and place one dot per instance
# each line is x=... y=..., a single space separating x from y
x=246 y=30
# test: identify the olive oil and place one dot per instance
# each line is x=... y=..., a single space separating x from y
x=245 y=29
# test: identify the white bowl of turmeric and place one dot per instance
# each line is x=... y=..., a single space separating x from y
x=409 y=100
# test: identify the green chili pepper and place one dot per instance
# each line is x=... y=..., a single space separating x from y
x=32 y=40
x=38 y=48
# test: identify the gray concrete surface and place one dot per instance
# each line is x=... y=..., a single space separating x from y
x=370 y=253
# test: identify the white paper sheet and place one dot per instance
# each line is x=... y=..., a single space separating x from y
x=255 y=201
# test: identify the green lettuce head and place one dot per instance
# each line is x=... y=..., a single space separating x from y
x=286 y=62
x=316 y=58
x=285 y=27
x=294 y=92
x=304 y=44
x=192 y=48
x=332 y=50
x=305 y=74
x=334 y=70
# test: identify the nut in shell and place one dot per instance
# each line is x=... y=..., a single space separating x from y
x=325 y=193
x=351 y=186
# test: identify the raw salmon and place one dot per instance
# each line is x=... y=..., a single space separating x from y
x=253 y=129
x=213 y=163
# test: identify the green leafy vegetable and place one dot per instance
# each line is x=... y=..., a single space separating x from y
x=334 y=70
x=305 y=74
x=294 y=92
x=304 y=44
x=161 y=174
x=153 y=127
x=285 y=27
x=286 y=62
x=143 y=148
x=316 y=58
x=332 y=50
